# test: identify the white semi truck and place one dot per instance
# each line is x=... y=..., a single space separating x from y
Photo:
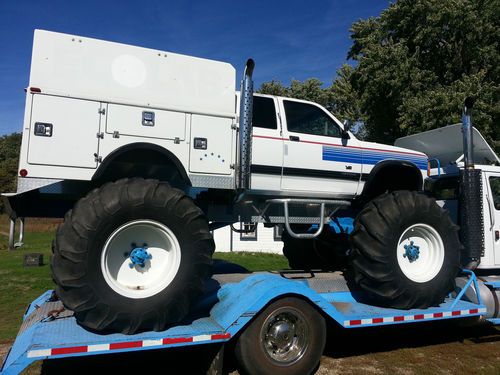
x=145 y=152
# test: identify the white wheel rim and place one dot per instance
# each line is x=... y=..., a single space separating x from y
x=427 y=264
x=158 y=272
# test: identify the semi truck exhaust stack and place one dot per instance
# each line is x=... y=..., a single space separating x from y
x=467 y=134
x=471 y=198
x=245 y=138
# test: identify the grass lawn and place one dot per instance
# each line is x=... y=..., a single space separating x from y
x=20 y=285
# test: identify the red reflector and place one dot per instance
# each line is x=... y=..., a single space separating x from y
x=23 y=173
x=35 y=89
x=76 y=349
x=125 y=345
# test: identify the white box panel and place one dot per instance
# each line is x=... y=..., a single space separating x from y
x=74 y=134
x=127 y=120
x=216 y=159
x=113 y=72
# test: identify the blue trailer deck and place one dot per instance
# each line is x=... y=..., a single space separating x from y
x=230 y=302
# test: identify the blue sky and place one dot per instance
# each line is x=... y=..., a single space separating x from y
x=287 y=39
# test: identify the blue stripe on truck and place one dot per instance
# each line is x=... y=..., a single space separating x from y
x=369 y=156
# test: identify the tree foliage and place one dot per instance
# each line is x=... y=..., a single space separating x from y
x=413 y=67
x=419 y=60
x=9 y=159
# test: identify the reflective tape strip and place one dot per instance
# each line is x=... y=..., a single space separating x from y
x=202 y=338
x=125 y=345
x=98 y=348
x=409 y=318
x=39 y=353
x=147 y=343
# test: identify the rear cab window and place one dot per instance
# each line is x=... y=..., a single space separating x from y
x=264 y=113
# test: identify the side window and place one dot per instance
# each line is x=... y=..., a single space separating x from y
x=264 y=113
x=495 y=190
x=309 y=119
x=250 y=233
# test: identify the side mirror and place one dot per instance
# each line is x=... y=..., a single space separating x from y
x=347 y=125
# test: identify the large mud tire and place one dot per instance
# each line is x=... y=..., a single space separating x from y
x=380 y=263
x=82 y=264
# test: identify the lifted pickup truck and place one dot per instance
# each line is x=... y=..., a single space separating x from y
x=145 y=152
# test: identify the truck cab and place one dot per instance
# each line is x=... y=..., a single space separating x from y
x=445 y=149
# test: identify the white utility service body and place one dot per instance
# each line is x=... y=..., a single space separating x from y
x=96 y=98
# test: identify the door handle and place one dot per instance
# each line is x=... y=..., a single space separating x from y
x=294 y=138
x=348 y=167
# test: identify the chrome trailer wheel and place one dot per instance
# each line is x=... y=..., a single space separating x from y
x=287 y=337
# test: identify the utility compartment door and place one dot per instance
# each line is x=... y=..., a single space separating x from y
x=211 y=145
x=145 y=122
x=71 y=132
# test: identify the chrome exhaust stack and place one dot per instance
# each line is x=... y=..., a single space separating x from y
x=467 y=134
x=245 y=129
x=471 y=198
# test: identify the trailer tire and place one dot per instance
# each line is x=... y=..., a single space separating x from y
x=93 y=264
x=405 y=251
x=287 y=337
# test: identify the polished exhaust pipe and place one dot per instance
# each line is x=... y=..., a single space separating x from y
x=245 y=129
x=467 y=134
x=471 y=198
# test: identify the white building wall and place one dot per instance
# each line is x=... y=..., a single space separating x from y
x=226 y=240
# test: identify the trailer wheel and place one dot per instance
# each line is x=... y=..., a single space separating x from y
x=405 y=251
x=131 y=256
x=288 y=337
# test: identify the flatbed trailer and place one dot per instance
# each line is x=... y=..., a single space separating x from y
x=231 y=302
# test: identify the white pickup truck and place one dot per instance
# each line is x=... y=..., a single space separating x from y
x=153 y=150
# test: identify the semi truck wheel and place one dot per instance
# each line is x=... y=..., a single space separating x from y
x=131 y=256
x=405 y=251
x=288 y=337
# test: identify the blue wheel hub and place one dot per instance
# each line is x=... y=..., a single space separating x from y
x=139 y=256
x=412 y=252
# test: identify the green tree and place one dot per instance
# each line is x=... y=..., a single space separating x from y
x=418 y=61
x=9 y=159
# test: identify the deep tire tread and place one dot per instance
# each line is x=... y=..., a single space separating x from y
x=73 y=246
x=373 y=257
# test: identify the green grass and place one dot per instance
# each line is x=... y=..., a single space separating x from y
x=20 y=285
x=255 y=261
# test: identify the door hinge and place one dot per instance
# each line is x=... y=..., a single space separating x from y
x=232 y=166
x=234 y=127
x=97 y=158
x=101 y=111
x=100 y=135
